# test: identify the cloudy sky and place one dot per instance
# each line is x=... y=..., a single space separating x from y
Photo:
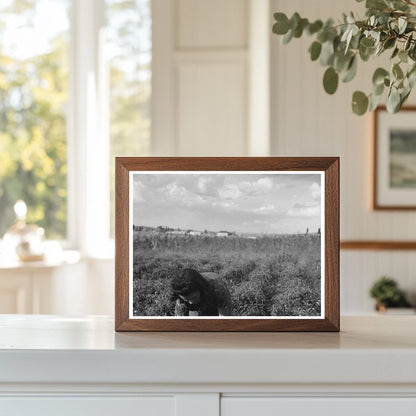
x=245 y=203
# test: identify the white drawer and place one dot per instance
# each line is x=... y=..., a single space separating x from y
x=273 y=406
x=87 y=406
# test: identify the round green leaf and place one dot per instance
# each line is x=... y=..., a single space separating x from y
x=359 y=103
x=330 y=80
x=397 y=71
x=393 y=101
x=378 y=90
x=315 y=50
x=367 y=42
x=351 y=71
x=379 y=75
x=395 y=52
x=281 y=27
x=403 y=56
x=314 y=27
x=288 y=37
x=327 y=54
x=389 y=43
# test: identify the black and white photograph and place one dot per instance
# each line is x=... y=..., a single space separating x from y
x=226 y=244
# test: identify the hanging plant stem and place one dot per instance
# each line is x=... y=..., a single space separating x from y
x=388 y=26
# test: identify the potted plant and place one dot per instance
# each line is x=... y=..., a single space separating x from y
x=387 y=294
x=389 y=27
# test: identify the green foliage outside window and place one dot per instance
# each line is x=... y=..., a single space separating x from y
x=33 y=99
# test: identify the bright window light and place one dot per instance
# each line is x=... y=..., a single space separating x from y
x=33 y=102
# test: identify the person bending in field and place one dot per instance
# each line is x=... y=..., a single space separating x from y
x=200 y=294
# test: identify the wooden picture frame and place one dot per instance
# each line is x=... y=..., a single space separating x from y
x=394 y=145
x=131 y=179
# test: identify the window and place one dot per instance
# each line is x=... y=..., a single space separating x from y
x=75 y=87
x=129 y=46
x=33 y=98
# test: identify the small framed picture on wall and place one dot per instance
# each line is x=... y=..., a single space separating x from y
x=227 y=244
x=394 y=178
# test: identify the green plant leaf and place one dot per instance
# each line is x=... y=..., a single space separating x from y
x=389 y=43
x=294 y=20
x=402 y=22
x=393 y=101
x=351 y=71
x=315 y=50
x=288 y=37
x=403 y=56
x=376 y=4
x=330 y=80
x=341 y=61
x=379 y=75
x=314 y=27
x=367 y=42
x=378 y=89
x=359 y=103
x=327 y=53
x=408 y=42
x=281 y=27
x=397 y=71
x=298 y=30
x=374 y=101
x=395 y=52
x=404 y=96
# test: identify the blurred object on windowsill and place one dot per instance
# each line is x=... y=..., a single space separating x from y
x=390 y=299
x=397 y=311
x=54 y=256
x=24 y=241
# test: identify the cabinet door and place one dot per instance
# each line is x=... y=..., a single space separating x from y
x=87 y=406
x=272 y=406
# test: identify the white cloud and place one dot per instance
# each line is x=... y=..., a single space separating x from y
x=315 y=190
x=229 y=191
x=299 y=210
x=203 y=183
x=262 y=185
x=265 y=183
x=138 y=191
x=265 y=209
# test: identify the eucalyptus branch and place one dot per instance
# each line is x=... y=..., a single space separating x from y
x=389 y=25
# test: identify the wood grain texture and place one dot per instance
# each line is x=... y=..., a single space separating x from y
x=376 y=204
x=378 y=245
x=332 y=265
x=330 y=165
x=121 y=244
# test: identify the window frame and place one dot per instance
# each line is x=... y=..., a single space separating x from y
x=87 y=133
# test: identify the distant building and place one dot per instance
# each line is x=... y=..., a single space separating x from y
x=223 y=234
x=195 y=232
x=177 y=232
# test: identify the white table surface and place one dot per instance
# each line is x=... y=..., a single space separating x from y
x=48 y=349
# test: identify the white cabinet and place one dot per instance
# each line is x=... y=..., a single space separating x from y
x=269 y=406
x=39 y=288
x=87 y=406
x=51 y=365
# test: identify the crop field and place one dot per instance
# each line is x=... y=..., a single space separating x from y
x=267 y=275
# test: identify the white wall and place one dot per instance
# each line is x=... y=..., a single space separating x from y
x=211 y=74
x=308 y=122
x=201 y=81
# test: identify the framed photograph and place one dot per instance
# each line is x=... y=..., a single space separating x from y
x=227 y=244
x=394 y=159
